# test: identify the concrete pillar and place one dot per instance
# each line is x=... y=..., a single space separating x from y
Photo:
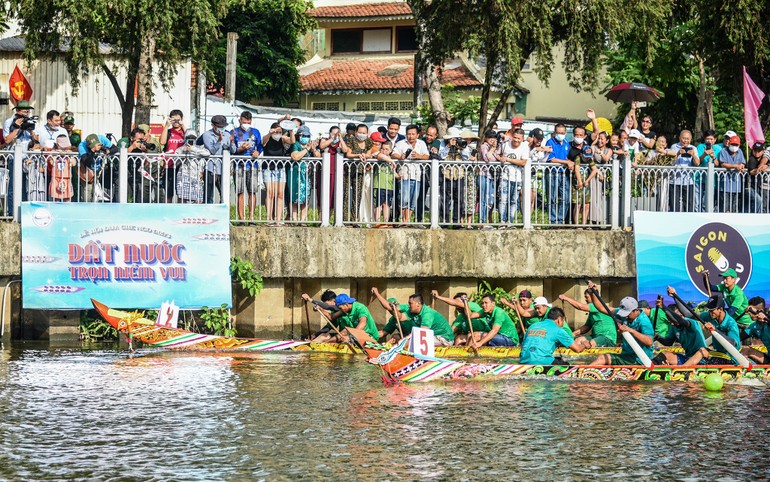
x=264 y=316
x=63 y=326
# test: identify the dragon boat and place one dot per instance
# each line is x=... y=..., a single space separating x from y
x=398 y=364
x=145 y=330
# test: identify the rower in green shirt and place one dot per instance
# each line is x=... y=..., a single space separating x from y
x=502 y=331
x=390 y=332
x=658 y=318
x=426 y=317
x=685 y=330
x=352 y=314
x=718 y=319
x=460 y=327
x=601 y=326
x=542 y=338
x=759 y=329
x=734 y=296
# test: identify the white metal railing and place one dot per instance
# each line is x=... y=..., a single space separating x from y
x=349 y=192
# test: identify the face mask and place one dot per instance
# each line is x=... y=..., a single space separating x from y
x=245 y=127
x=734 y=149
x=579 y=140
x=276 y=137
x=560 y=137
x=304 y=140
x=361 y=137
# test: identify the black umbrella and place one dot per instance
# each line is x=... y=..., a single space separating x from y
x=629 y=92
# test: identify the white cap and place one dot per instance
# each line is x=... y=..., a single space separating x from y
x=627 y=305
x=452 y=132
x=730 y=134
x=635 y=134
x=542 y=301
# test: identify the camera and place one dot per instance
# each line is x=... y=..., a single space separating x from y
x=28 y=124
x=150 y=146
x=708 y=146
x=462 y=143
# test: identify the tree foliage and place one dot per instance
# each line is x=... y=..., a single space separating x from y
x=457 y=107
x=163 y=30
x=722 y=38
x=269 y=49
x=508 y=34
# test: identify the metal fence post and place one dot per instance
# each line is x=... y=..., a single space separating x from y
x=225 y=177
x=615 y=194
x=325 y=188
x=434 y=193
x=710 y=177
x=123 y=176
x=526 y=194
x=627 y=192
x=338 y=187
x=18 y=160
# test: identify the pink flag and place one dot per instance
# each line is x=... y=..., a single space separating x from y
x=752 y=98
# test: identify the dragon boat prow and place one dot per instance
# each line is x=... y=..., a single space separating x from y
x=147 y=331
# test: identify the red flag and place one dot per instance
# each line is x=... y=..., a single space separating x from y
x=18 y=86
x=752 y=99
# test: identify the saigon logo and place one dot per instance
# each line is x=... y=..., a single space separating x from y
x=717 y=247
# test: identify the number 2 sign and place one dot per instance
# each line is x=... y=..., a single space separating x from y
x=421 y=342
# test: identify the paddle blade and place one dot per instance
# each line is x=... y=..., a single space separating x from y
x=361 y=336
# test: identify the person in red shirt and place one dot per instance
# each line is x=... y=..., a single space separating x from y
x=172 y=138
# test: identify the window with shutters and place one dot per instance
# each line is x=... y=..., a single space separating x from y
x=363 y=106
x=391 y=105
x=319 y=105
x=378 y=105
x=407 y=105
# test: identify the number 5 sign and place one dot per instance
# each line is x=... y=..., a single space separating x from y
x=422 y=342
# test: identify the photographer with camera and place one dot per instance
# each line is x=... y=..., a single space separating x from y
x=20 y=127
x=143 y=172
x=48 y=133
x=681 y=198
x=452 y=178
x=95 y=172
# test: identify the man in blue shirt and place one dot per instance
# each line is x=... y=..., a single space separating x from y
x=542 y=338
x=557 y=177
x=215 y=140
x=96 y=168
x=246 y=141
x=632 y=320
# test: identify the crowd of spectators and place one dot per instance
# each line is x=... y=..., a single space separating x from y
x=480 y=179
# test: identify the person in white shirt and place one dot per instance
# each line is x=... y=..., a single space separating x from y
x=410 y=150
x=634 y=147
x=514 y=157
x=48 y=132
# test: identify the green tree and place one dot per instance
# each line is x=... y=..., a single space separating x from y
x=149 y=37
x=269 y=49
x=508 y=34
x=695 y=56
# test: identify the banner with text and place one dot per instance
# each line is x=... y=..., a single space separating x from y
x=676 y=248
x=124 y=255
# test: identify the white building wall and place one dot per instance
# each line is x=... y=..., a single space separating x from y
x=96 y=106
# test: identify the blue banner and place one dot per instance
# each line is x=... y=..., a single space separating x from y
x=676 y=248
x=124 y=255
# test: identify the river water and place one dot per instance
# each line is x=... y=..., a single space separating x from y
x=102 y=414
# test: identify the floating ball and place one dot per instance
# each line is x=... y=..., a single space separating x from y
x=713 y=382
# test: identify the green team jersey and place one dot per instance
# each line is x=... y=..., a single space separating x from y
x=500 y=318
x=479 y=324
x=350 y=320
x=601 y=324
x=406 y=326
x=433 y=320
x=691 y=338
x=662 y=325
x=738 y=302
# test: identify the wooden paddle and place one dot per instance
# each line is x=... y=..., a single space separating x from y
x=470 y=325
x=626 y=335
x=708 y=283
x=518 y=315
x=655 y=315
x=350 y=345
x=307 y=319
x=397 y=317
